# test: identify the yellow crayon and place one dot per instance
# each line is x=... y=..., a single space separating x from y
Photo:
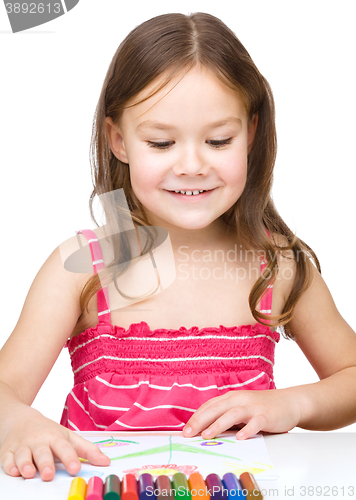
x=77 y=489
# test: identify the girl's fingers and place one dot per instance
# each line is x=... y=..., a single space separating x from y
x=9 y=465
x=89 y=451
x=226 y=420
x=43 y=458
x=255 y=425
x=67 y=454
x=205 y=415
x=23 y=460
x=208 y=404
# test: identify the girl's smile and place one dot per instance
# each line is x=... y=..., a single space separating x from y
x=193 y=135
x=189 y=196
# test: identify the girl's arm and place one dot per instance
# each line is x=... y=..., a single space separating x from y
x=329 y=343
x=27 y=438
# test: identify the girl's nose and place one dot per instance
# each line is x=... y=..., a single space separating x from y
x=191 y=162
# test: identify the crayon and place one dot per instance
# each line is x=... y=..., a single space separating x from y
x=94 y=489
x=181 y=487
x=198 y=488
x=77 y=489
x=164 y=488
x=248 y=482
x=129 y=490
x=216 y=486
x=112 y=488
x=146 y=487
x=233 y=486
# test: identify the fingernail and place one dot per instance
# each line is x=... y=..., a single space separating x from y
x=14 y=470
x=27 y=468
x=188 y=430
x=73 y=465
x=207 y=432
x=47 y=470
x=240 y=434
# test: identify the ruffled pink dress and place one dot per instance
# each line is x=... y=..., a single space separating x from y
x=141 y=379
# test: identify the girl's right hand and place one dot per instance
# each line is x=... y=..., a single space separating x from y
x=33 y=441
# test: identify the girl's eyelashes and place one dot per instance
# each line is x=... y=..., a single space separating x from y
x=219 y=144
x=167 y=144
x=160 y=145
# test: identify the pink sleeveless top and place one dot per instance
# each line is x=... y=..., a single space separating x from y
x=141 y=379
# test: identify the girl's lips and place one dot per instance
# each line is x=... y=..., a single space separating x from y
x=191 y=197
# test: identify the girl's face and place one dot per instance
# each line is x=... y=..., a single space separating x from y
x=191 y=136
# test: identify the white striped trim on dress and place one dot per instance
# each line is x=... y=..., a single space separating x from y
x=173 y=339
x=133 y=386
x=80 y=404
x=95 y=262
x=145 y=408
x=73 y=425
x=169 y=360
x=104 y=407
x=150 y=427
x=168 y=388
x=266 y=311
x=92 y=240
x=153 y=386
x=103 y=312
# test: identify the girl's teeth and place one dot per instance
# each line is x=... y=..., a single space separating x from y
x=195 y=192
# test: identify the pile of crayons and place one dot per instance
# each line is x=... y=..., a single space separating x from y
x=180 y=488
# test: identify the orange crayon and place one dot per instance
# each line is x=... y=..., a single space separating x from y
x=197 y=486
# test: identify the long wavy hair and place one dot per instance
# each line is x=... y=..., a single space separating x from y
x=170 y=44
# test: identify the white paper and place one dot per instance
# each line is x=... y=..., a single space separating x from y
x=165 y=453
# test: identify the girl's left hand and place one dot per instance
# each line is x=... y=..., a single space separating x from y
x=274 y=410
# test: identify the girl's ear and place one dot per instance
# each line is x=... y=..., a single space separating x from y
x=252 y=126
x=115 y=140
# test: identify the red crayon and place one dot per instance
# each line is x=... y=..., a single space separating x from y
x=94 y=489
x=129 y=489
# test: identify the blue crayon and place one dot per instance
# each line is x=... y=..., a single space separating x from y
x=146 y=487
x=232 y=484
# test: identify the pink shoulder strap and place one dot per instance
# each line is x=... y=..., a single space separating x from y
x=98 y=265
x=266 y=300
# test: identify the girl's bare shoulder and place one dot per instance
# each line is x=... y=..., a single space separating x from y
x=49 y=314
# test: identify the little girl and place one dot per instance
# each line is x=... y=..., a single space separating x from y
x=185 y=136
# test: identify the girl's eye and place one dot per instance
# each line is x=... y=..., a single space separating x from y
x=167 y=144
x=160 y=145
x=219 y=144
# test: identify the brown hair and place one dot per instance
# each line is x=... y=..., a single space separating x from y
x=170 y=44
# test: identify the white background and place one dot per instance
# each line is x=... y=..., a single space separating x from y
x=51 y=77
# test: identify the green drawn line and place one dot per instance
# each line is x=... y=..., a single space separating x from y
x=117 y=440
x=174 y=447
x=170 y=449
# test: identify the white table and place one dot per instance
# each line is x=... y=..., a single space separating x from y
x=310 y=465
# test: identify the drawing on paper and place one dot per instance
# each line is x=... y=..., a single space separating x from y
x=165 y=453
x=111 y=442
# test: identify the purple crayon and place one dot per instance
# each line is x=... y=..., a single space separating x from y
x=146 y=487
x=215 y=487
